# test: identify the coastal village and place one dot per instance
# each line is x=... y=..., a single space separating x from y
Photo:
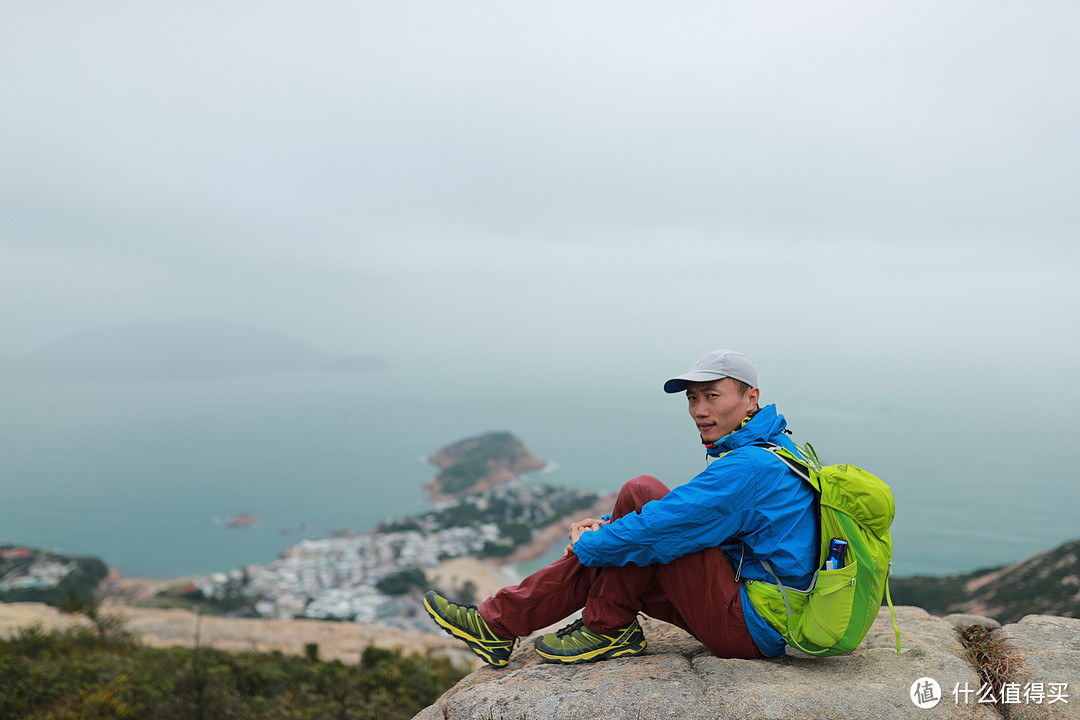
x=346 y=578
x=481 y=508
x=484 y=508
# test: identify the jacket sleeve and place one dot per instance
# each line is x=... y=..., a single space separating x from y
x=711 y=508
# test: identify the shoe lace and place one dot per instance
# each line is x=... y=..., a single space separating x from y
x=461 y=609
x=571 y=628
x=462 y=605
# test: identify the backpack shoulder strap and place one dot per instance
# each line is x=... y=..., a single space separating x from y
x=804 y=465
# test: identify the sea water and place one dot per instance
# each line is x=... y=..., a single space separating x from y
x=143 y=474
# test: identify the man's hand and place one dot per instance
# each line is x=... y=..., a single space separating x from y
x=579 y=528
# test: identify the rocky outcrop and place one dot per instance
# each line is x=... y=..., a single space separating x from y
x=678 y=679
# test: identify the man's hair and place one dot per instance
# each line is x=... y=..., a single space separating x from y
x=742 y=388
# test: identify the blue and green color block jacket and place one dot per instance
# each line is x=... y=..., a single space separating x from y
x=747 y=502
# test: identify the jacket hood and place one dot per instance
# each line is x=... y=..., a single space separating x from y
x=764 y=426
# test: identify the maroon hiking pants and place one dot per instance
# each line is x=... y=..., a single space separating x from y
x=697 y=592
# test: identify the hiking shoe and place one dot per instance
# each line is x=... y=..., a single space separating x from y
x=576 y=643
x=464 y=622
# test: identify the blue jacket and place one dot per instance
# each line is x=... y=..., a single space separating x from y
x=746 y=501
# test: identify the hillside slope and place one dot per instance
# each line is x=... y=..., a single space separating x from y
x=1046 y=583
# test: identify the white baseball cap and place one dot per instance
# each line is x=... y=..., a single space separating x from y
x=716 y=365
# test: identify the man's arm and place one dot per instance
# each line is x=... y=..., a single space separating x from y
x=704 y=512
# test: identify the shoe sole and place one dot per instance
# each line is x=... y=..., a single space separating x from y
x=460 y=634
x=594 y=655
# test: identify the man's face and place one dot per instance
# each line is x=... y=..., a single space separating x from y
x=717 y=407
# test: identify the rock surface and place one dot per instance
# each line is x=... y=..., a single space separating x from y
x=678 y=678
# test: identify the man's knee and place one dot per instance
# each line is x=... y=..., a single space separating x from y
x=638 y=491
x=646 y=485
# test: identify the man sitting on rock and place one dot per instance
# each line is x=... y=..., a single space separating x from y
x=676 y=555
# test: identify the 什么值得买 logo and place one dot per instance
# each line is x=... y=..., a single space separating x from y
x=925 y=693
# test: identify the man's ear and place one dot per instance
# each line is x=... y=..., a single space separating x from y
x=752 y=396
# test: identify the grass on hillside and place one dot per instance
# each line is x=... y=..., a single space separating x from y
x=106 y=674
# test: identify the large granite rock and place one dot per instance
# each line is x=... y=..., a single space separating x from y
x=678 y=679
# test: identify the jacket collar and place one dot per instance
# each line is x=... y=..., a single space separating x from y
x=765 y=424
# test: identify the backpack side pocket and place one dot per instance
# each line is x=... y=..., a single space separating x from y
x=828 y=609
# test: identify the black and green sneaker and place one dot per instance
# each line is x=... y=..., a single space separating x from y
x=576 y=643
x=464 y=621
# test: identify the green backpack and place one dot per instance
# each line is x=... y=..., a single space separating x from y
x=834 y=615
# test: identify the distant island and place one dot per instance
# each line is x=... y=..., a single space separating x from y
x=193 y=349
x=480 y=463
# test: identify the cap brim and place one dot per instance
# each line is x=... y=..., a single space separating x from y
x=678 y=384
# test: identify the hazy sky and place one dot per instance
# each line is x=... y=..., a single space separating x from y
x=556 y=188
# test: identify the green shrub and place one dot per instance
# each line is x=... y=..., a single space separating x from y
x=402 y=582
x=64 y=675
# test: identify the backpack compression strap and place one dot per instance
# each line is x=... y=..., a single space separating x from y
x=892 y=610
